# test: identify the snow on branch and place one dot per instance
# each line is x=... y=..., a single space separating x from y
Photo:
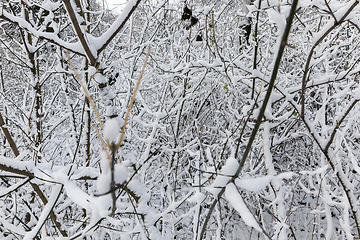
x=233 y=196
x=103 y=41
x=24 y=168
x=51 y=37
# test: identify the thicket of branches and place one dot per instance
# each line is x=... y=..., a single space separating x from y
x=245 y=123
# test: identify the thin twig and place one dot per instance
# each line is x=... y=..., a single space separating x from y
x=132 y=100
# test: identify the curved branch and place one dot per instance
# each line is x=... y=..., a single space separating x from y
x=79 y=32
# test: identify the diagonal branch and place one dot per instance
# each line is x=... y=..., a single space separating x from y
x=79 y=32
x=282 y=46
x=8 y=136
x=118 y=24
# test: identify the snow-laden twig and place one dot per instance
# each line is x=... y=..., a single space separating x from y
x=118 y=144
x=279 y=208
x=282 y=46
x=54 y=196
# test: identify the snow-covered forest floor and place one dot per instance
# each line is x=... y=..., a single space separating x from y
x=197 y=119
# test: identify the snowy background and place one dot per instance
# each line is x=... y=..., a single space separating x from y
x=174 y=120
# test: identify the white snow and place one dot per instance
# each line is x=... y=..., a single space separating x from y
x=259 y=183
x=338 y=15
x=277 y=18
x=85 y=172
x=49 y=5
x=254 y=184
x=227 y=171
x=206 y=10
x=102 y=205
x=15 y=229
x=75 y=47
x=105 y=162
x=99 y=78
x=6 y=191
x=16 y=164
x=235 y=199
x=120 y=173
x=77 y=195
x=92 y=70
x=100 y=41
x=45 y=212
x=357 y=93
x=198 y=197
x=111 y=130
x=103 y=183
